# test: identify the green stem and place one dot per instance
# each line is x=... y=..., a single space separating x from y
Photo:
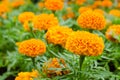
x=81 y=60
x=33 y=61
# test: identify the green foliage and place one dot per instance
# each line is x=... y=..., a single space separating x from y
x=103 y=67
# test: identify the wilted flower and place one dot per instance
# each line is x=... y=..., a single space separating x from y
x=113 y=33
x=55 y=67
x=85 y=43
x=54 y=4
x=58 y=35
x=45 y=21
x=91 y=20
x=32 y=47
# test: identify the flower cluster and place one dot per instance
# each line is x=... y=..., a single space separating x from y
x=27 y=75
x=85 y=43
x=32 y=47
x=58 y=35
x=91 y=20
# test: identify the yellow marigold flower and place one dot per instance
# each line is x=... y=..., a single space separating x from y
x=85 y=43
x=113 y=32
x=17 y=3
x=115 y=12
x=58 y=35
x=54 y=67
x=99 y=11
x=26 y=16
x=79 y=2
x=83 y=9
x=32 y=47
x=54 y=4
x=91 y=20
x=106 y=3
x=45 y=21
x=27 y=75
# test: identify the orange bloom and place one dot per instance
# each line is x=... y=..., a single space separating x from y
x=45 y=21
x=53 y=67
x=17 y=3
x=115 y=12
x=91 y=20
x=41 y=4
x=54 y=4
x=26 y=16
x=85 y=43
x=97 y=4
x=3 y=9
x=79 y=2
x=58 y=35
x=83 y=9
x=106 y=3
x=32 y=47
x=113 y=32
x=27 y=75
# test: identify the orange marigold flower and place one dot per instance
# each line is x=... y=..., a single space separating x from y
x=97 y=4
x=41 y=4
x=27 y=75
x=26 y=16
x=3 y=9
x=85 y=43
x=17 y=3
x=45 y=21
x=54 y=67
x=106 y=3
x=113 y=32
x=79 y=2
x=92 y=20
x=32 y=47
x=54 y=4
x=115 y=12
x=83 y=9
x=58 y=35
